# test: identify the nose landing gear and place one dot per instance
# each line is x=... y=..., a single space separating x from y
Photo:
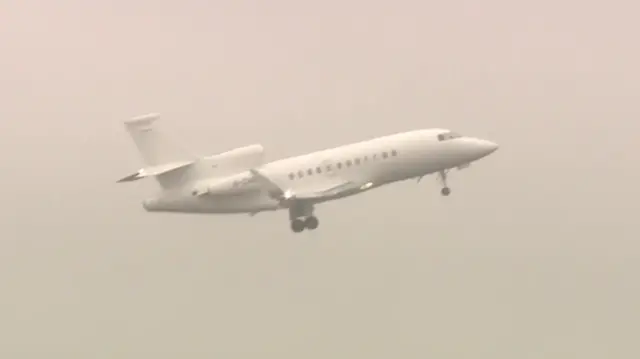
x=442 y=177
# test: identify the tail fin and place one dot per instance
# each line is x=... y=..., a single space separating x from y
x=165 y=160
x=154 y=147
x=173 y=166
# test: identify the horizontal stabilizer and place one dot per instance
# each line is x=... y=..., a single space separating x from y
x=152 y=171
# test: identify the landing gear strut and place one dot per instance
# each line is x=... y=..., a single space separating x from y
x=301 y=217
x=442 y=176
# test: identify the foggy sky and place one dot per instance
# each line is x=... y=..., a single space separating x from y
x=536 y=253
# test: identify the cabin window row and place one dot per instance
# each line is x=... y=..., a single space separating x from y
x=340 y=165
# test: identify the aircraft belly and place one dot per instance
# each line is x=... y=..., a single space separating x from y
x=236 y=204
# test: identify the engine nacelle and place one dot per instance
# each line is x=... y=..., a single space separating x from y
x=229 y=171
x=232 y=185
x=236 y=160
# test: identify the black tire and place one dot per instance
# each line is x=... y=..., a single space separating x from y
x=298 y=225
x=311 y=223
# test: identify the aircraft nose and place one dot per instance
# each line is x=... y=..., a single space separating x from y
x=489 y=147
x=485 y=147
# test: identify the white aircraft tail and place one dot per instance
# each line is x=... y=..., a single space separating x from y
x=153 y=145
x=173 y=166
x=165 y=160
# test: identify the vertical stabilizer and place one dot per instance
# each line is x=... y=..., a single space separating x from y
x=167 y=161
x=154 y=146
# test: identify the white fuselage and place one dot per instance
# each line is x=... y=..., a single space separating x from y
x=377 y=161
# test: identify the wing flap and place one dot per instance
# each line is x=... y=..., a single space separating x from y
x=342 y=188
x=336 y=190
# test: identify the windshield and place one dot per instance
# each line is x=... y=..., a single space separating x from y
x=448 y=136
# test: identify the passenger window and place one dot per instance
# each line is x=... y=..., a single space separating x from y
x=292 y=176
x=310 y=172
x=394 y=153
x=357 y=161
x=441 y=137
x=339 y=165
x=300 y=174
x=348 y=163
x=328 y=168
x=384 y=155
x=366 y=158
x=318 y=170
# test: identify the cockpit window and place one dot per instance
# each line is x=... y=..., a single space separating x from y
x=448 y=136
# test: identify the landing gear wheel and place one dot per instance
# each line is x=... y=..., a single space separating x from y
x=445 y=191
x=311 y=222
x=297 y=225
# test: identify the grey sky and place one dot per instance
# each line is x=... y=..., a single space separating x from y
x=534 y=255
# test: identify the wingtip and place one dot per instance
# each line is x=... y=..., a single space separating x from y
x=142 y=119
x=129 y=178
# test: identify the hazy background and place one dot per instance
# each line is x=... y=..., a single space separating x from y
x=535 y=254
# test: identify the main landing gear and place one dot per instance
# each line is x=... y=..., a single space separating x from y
x=442 y=177
x=298 y=225
x=301 y=217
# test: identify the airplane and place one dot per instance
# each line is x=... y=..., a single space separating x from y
x=240 y=181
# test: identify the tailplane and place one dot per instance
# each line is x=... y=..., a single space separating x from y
x=155 y=171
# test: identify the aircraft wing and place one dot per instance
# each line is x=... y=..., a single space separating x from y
x=344 y=188
x=332 y=190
